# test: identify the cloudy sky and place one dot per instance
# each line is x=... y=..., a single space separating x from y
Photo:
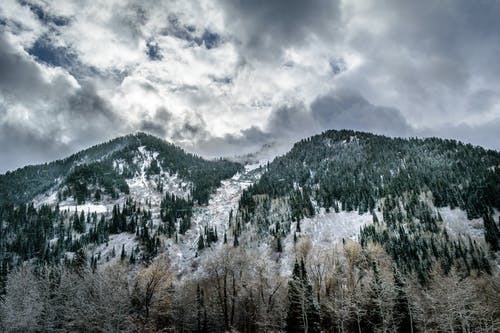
x=225 y=76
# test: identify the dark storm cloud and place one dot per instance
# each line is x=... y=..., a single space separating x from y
x=17 y=71
x=431 y=54
x=192 y=128
x=442 y=27
x=246 y=141
x=426 y=68
x=85 y=102
x=337 y=110
x=152 y=127
x=22 y=80
x=159 y=124
x=184 y=130
x=482 y=100
x=61 y=118
x=290 y=121
x=348 y=110
x=265 y=27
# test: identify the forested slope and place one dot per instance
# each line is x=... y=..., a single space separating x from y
x=400 y=181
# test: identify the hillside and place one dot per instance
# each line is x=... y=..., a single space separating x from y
x=350 y=230
x=127 y=193
x=403 y=183
x=105 y=167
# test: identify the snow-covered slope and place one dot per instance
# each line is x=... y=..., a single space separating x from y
x=151 y=176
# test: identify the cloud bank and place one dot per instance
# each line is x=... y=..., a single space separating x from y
x=225 y=77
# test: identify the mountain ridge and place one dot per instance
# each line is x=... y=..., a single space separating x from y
x=35 y=179
x=348 y=218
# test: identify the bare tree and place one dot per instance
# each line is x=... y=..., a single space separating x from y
x=151 y=289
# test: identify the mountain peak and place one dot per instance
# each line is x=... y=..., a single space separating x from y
x=120 y=157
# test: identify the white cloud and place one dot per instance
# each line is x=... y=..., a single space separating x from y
x=225 y=69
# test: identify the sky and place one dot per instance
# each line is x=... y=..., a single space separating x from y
x=224 y=77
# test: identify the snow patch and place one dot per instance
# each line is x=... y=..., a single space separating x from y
x=87 y=208
x=115 y=242
x=457 y=222
x=327 y=228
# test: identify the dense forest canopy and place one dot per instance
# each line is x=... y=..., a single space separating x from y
x=399 y=181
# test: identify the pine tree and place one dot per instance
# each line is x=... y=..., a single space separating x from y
x=79 y=222
x=279 y=247
x=131 y=260
x=491 y=232
x=402 y=307
x=80 y=261
x=201 y=243
x=303 y=313
x=123 y=255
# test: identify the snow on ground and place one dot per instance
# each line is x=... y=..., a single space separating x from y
x=47 y=198
x=143 y=187
x=323 y=230
x=87 y=208
x=115 y=242
x=457 y=222
x=215 y=214
x=254 y=166
x=326 y=228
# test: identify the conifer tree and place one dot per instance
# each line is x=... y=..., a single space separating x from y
x=201 y=243
x=302 y=313
x=123 y=255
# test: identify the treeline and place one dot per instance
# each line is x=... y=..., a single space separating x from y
x=93 y=180
x=23 y=184
x=344 y=288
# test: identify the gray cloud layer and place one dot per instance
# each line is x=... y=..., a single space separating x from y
x=226 y=77
x=267 y=27
x=38 y=112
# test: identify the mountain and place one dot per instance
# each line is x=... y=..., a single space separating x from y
x=105 y=168
x=405 y=184
x=347 y=231
x=137 y=187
